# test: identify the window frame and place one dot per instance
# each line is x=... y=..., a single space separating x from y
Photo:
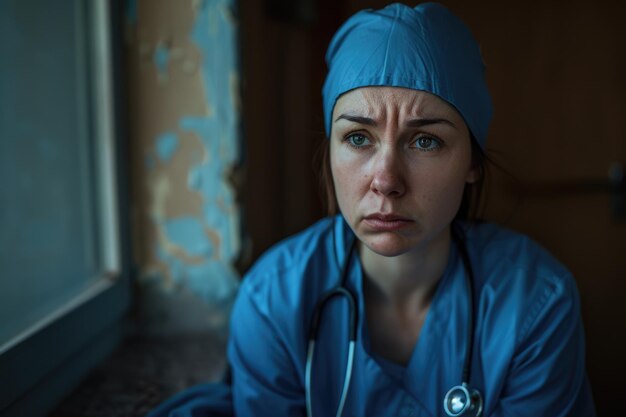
x=46 y=361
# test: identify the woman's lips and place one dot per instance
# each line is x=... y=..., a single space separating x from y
x=386 y=222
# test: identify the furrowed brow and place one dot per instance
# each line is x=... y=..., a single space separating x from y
x=425 y=122
x=357 y=119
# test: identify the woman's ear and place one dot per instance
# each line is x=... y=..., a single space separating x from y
x=476 y=169
x=473 y=174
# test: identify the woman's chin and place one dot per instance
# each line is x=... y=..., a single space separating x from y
x=386 y=245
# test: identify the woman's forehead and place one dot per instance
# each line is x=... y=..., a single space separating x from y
x=378 y=101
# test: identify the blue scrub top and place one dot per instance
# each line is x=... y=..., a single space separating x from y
x=528 y=357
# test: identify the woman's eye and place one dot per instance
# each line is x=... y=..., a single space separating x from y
x=427 y=143
x=357 y=140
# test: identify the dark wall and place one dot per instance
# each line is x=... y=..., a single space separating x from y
x=283 y=70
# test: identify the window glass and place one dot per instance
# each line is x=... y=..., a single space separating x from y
x=48 y=189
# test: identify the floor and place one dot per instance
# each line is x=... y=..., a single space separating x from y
x=142 y=373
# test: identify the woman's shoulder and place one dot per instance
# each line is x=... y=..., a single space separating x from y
x=518 y=277
x=528 y=321
x=269 y=318
x=504 y=251
x=293 y=250
x=285 y=272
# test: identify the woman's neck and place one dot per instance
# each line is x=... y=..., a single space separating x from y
x=407 y=279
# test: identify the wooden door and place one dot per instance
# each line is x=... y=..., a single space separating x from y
x=557 y=74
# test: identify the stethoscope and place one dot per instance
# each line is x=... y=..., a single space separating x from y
x=460 y=400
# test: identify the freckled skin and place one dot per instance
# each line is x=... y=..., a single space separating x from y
x=392 y=173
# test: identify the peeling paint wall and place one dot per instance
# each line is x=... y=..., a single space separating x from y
x=184 y=121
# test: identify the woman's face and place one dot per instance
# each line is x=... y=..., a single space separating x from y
x=400 y=159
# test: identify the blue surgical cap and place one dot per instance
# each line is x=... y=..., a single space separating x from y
x=423 y=48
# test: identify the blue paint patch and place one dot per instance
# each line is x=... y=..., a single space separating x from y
x=208 y=130
x=175 y=265
x=194 y=179
x=215 y=35
x=188 y=233
x=211 y=175
x=161 y=59
x=212 y=281
x=131 y=11
x=224 y=223
x=216 y=38
x=166 y=145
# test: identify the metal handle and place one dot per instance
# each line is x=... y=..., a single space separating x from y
x=617 y=179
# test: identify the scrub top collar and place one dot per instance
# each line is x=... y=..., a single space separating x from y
x=442 y=341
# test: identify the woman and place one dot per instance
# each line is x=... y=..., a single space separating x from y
x=450 y=316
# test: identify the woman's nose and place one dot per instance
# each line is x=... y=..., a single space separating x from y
x=388 y=178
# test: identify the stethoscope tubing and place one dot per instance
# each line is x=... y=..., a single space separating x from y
x=342 y=291
x=346 y=380
x=457 y=235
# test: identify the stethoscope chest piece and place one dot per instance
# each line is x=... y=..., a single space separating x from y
x=463 y=401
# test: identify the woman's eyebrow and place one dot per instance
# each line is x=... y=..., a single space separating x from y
x=427 y=121
x=357 y=119
x=410 y=123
